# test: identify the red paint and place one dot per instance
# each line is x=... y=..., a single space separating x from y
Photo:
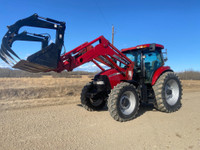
x=104 y=52
x=138 y=47
x=114 y=76
x=158 y=72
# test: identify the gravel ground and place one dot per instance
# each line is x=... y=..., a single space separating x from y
x=69 y=126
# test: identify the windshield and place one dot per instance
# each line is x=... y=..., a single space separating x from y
x=130 y=55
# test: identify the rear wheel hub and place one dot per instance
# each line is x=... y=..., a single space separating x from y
x=171 y=92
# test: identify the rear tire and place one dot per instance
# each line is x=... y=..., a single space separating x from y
x=168 y=92
x=123 y=102
x=91 y=104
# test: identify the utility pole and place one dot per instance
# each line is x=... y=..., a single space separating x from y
x=112 y=35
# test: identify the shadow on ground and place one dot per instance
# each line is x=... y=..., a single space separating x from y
x=142 y=109
x=105 y=108
x=145 y=108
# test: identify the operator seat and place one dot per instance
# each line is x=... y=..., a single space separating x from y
x=147 y=70
x=155 y=65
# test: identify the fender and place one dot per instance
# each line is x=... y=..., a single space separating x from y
x=159 y=72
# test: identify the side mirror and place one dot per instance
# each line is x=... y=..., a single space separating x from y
x=152 y=47
x=165 y=57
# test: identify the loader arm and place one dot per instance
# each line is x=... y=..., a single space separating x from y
x=104 y=52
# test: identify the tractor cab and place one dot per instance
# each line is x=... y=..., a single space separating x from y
x=147 y=57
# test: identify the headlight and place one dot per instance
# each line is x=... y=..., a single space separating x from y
x=98 y=82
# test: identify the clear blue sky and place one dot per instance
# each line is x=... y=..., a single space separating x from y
x=173 y=23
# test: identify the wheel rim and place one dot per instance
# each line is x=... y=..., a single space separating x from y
x=127 y=103
x=97 y=102
x=171 y=92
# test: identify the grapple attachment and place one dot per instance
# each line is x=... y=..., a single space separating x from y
x=47 y=58
x=42 y=61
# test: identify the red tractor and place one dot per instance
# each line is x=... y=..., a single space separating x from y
x=136 y=75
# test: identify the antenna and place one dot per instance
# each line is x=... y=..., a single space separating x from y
x=112 y=35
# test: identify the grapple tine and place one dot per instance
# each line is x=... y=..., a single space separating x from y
x=31 y=67
x=7 y=59
x=7 y=53
x=26 y=68
x=11 y=51
x=3 y=58
x=5 y=46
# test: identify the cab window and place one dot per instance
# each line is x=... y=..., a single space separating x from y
x=130 y=55
x=152 y=61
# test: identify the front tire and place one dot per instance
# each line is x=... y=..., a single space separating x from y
x=91 y=104
x=123 y=102
x=168 y=92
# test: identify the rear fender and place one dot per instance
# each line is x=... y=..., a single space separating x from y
x=159 y=72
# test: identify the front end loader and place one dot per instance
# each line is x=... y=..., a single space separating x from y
x=136 y=75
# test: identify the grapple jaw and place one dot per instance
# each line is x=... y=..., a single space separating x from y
x=47 y=58
x=31 y=67
x=42 y=61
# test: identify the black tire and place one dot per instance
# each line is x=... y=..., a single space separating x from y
x=119 y=95
x=168 y=92
x=91 y=104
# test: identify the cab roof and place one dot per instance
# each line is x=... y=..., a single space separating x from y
x=141 y=47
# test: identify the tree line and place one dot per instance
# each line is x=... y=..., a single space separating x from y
x=10 y=73
x=189 y=75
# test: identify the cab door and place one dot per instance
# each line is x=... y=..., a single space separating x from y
x=152 y=61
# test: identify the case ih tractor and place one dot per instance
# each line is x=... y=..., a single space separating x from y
x=136 y=75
